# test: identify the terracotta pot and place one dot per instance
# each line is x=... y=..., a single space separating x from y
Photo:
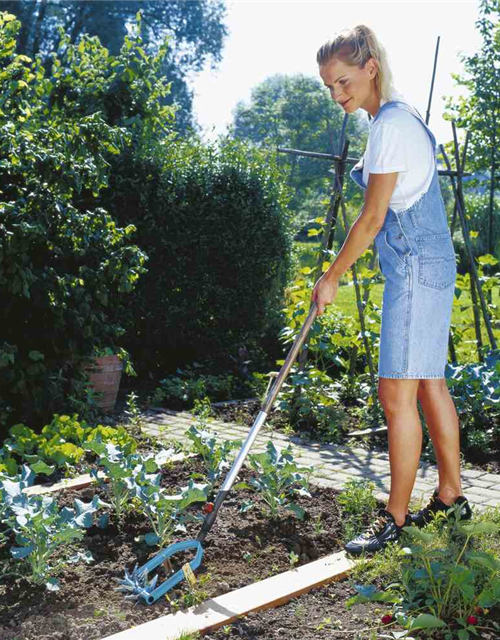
x=104 y=376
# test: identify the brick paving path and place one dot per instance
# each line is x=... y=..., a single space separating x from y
x=333 y=464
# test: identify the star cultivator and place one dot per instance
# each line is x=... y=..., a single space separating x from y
x=136 y=585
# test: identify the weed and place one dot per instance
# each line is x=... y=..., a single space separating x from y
x=358 y=503
x=293 y=558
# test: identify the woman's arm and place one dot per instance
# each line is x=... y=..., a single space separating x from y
x=361 y=234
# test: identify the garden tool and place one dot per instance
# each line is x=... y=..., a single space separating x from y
x=137 y=584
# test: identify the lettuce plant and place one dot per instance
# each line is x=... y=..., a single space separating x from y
x=60 y=443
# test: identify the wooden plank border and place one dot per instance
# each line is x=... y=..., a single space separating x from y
x=265 y=594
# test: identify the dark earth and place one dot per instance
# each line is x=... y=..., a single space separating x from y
x=241 y=549
x=322 y=613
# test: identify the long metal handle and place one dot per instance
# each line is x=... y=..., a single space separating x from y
x=259 y=421
x=290 y=359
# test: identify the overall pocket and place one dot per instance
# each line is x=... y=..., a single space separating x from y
x=397 y=245
x=437 y=266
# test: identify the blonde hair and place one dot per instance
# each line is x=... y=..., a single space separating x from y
x=355 y=47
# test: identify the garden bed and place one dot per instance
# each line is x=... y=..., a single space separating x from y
x=241 y=549
x=322 y=613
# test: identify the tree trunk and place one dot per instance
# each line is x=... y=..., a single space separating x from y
x=37 y=28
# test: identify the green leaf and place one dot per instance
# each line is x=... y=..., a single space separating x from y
x=41 y=467
x=426 y=621
x=297 y=510
x=480 y=527
x=415 y=532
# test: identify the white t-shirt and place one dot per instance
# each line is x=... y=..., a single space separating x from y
x=397 y=141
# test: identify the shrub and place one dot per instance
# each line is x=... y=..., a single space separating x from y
x=65 y=265
x=214 y=223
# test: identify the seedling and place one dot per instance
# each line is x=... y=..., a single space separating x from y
x=294 y=558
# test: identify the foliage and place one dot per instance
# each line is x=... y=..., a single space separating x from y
x=41 y=528
x=278 y=478
x=195 y=32
x=165 y=512
x=443 y=584
x=65 y=266
x=224 y=203
x=475 y=390
x=297 y=112
x=187 y=386
x=121 y=468
x=61 y=443
x=479 y=110
x=358 y=503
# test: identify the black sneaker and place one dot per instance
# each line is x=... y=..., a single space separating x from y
x=436 y=505
x=382 y=531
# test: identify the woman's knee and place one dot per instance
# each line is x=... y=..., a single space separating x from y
x=397 y=393
x=431 y=387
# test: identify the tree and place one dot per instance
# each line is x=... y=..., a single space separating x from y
x=479 y=111
x=297 y=112
x=195 y=31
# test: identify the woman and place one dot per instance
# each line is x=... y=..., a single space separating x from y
x=404 y=215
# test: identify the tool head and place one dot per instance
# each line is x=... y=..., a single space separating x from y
x=136 y=584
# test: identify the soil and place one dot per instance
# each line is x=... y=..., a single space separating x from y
x=322 y=613
x=240 y=549
x=246 y=411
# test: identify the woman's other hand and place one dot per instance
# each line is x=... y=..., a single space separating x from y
x=324 y=292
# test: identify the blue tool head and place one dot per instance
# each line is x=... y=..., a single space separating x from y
x=136 y=584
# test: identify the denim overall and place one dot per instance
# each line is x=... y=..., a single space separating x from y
x=417 y=259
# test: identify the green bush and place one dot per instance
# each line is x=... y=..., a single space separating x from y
x=65 y=266
x=214 y=223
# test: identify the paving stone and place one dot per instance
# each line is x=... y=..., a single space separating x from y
x=476 y=482
x=492 y=478
x=494 y=502
x=487 y=494
x=472 y=473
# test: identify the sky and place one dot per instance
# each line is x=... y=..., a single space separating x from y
x=283 y=36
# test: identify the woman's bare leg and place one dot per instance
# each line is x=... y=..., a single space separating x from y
x=442 y=421
x=398 y=397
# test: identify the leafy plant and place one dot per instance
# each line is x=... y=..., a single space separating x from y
x=278 y=478
x=165 y=511
x=205 y=443
x=68 y=267
x=189 y=386
x=358 y=503
x=126 y=472
x=475 y=389
x=41 y=528
x=63 y=442
x=133 y=412
x=441 y=586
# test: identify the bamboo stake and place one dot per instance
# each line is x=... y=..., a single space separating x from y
x=428 y=114
x=468 y=245
x=328 y=234
x=366 y=295
x=360 y=307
